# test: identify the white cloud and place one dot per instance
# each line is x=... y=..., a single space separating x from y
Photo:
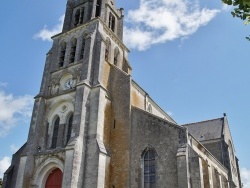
x=45 y=34
x=4 y=165
x=245 y=177
x=13 y=110
x=158 y=21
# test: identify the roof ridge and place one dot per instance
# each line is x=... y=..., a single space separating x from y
x=202 y=121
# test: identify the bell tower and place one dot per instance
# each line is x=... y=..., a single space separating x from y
x=82 y=11
x=79 y=128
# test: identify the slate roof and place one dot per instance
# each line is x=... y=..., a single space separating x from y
x=206 y=130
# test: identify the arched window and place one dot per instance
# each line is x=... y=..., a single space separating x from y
x=98 y=8
x=55 y=133
x=70 y=121
x=73 y=51
x=149 y=169
x=82 y=15
x=116 y=56
x=82 y=49
x=62 y=54
x=77 y=17
x=112 y=22
x=107 y=50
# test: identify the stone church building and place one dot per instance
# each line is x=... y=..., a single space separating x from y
x=92 y=126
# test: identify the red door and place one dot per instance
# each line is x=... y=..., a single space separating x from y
x=55 y=179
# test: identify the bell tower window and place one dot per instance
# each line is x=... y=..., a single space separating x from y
x=55 y=133
x=62 y=54
x=116 y=56
x=70 y=121
x=98 y=8
x=77 y=17
x=82 y=49
x=82 y=15
x=73 y=51
x=112 y=22
x=107 y=50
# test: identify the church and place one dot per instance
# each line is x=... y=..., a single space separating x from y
x=93 y=126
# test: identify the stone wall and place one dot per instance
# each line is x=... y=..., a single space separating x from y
x=196 y=178
x=149 y=131
x=119 y=139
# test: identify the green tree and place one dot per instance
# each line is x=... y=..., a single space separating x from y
x=241 y=10
x=1 y=182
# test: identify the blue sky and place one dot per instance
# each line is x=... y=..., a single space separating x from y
x=191 y=58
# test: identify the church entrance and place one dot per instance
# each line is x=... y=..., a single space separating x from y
x=55 y=179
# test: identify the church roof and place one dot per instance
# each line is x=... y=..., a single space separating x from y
x=206 y=130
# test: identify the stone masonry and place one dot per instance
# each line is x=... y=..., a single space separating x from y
x=92 y=126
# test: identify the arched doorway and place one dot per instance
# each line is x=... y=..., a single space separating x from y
x=55 y=179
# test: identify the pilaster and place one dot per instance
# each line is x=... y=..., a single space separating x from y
x=75 y=157
x=37 y=133
x=99 y=60
x=210 y=176
x=182 y=168
x=220 y=181
x=68 y=166
x=96 y=160
x=201 y=173
x=88 y=58
x=21 y=168
x=46 y=75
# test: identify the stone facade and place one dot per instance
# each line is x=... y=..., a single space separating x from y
x=100 y=129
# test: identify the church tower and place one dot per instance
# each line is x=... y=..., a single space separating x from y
x=77 y=132
x=92 y=126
